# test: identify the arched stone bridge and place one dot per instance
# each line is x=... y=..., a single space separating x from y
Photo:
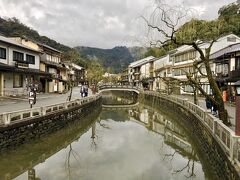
x=103 y=88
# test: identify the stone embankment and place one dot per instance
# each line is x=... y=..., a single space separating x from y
x=220 y=145
x=21 y=126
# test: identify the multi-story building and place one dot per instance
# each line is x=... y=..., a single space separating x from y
x=141 y=72
x=77 y=74
x=50 y=62
x=185 y=56
x=19 y=66
x=162 y=72
x=227 y=69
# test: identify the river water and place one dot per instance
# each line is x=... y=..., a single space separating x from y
x=137 y=142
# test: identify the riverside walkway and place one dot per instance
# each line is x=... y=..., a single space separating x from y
x=15 y=104
x=201 y=102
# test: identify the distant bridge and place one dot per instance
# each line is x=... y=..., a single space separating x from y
x=103 y=88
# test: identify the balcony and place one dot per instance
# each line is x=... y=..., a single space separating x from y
x=222 y=75
x=234 y=75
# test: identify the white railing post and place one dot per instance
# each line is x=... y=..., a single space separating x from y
x=6 y=118
x=31 y=114
x=233 y=142
x=43 y=111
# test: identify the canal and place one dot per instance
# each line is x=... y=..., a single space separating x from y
x=136 y=141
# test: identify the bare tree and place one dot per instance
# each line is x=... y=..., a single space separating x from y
x=168 y=25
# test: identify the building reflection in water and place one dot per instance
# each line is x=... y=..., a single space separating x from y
x=173 y=134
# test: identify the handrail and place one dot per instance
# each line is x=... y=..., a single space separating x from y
x=8 y=118
x=226 y=138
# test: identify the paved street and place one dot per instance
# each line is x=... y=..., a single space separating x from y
x=230 y=108
x=14 y=104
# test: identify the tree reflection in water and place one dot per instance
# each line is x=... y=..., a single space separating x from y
x=68 y=166
x=93 y=136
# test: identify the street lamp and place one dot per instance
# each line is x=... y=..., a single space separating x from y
x=237 y=129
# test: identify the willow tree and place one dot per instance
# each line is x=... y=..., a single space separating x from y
x=174 y=24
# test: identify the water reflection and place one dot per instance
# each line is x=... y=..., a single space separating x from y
x=119 y=98
x=134 y=143
x=174 y=136
x=32 y=175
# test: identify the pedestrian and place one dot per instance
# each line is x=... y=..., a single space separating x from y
x=81 y=90
x=208 y=103
x=85 y=90
x=214 y=108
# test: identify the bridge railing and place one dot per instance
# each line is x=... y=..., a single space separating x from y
x=226 y=138
x=105 y=86
x=22 y=115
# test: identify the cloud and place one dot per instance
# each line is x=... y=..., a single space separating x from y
x=99 y=23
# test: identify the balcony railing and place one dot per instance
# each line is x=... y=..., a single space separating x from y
x=234 y=74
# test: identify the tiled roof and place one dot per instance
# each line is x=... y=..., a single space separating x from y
x=141 y=62
x=226 y=50
x=12 y=42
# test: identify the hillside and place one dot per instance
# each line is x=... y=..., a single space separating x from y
x=12 y=27
x=116 y=58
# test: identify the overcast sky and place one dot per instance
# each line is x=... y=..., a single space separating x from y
x=95 y=23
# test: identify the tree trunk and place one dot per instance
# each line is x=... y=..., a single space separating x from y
x=223 y=114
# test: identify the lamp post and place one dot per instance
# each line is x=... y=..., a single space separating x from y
x=237 y=129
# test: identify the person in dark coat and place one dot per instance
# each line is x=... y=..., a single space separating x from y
x=208 y=103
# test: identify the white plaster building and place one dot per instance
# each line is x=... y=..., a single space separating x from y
x=185 y=55
x=19 y=64
x=141 y=72
x=162 y=70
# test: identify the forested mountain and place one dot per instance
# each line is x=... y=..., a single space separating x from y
x=12 y=27
x=116 y=58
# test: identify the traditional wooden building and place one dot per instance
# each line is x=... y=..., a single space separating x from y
x=19 y=66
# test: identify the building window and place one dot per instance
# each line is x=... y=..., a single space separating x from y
x=188 y=88
x=176 y=72
x=17 y=80
x=30 y=59
x=17 y=56
x=2 y=53
x=237 y=63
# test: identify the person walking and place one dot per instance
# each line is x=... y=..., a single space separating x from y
x=81 y=90
x=85 y=90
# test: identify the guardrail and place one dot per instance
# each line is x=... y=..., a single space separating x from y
x=21 y=115
x=226 y=138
